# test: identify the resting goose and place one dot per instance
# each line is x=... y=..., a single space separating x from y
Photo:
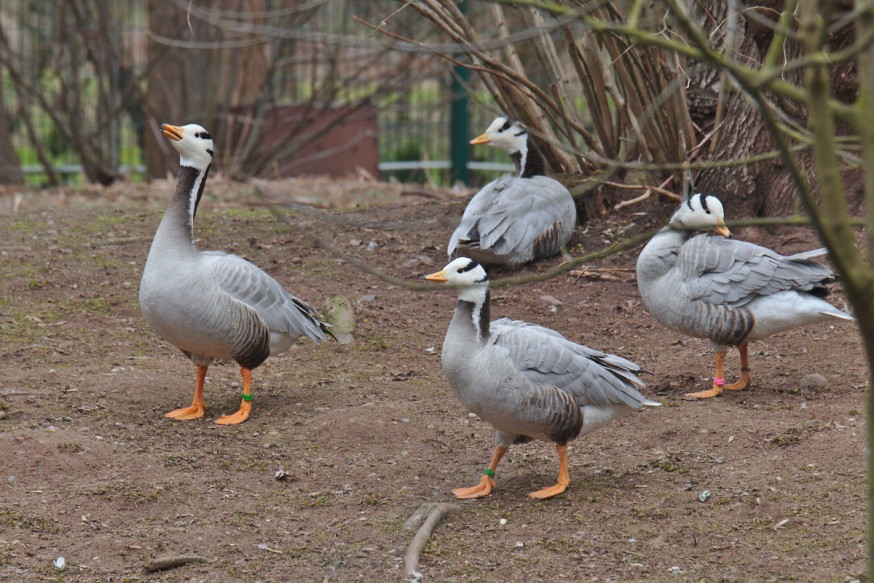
x=210 y=304
x=515 y=219
x=728 y=291
x=527 y=381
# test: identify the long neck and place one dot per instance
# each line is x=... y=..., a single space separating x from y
x=528 y=161
x=472 y=316
x=177 y=226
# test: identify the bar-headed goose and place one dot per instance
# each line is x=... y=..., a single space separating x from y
x=528 y=381
x=515 y=219
x=730 y=292
x=209 y=304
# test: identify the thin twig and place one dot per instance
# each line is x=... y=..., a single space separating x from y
x=165 y=563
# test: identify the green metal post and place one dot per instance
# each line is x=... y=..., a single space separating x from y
x=459 y=147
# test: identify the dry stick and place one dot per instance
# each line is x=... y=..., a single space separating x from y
x=437 y=513
x=649 y=190
x=172 y=562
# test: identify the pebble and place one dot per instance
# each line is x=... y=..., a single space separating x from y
x=813 y=382
x=503 y=521
x=704 y=496
x=60 y=563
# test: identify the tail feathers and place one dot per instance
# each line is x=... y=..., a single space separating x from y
x=839 y=315
x=809 y=254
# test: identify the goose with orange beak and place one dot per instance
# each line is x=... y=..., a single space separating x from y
x=517 y=219
x=527 y=381
x=728 y=291
x=210 y=304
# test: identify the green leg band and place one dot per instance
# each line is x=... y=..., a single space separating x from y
x=247 y=397
x=489 y=473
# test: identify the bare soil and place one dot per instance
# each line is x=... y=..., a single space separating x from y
x=369 y=431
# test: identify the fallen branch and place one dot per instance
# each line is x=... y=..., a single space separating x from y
x=435 y=513
x=166 y=563
x=647 y=193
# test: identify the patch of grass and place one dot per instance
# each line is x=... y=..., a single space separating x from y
x=791 y=437
x=97 y=305
x=245 y=465
x=667 y=465
x=16 y=519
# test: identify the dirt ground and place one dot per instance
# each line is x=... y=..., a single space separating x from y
x=367 y=432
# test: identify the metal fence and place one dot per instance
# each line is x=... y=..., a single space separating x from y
x=415 y=122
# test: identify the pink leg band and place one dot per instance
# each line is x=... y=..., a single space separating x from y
x=718 y=381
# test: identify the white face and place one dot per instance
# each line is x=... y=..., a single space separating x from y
x=504 y=134
x=464 y=271
x=468 y=275
x=193 y=143
x=701 y=211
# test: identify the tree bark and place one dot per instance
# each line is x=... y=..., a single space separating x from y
x=764 y=188
x=198 y=85
x=10 y=165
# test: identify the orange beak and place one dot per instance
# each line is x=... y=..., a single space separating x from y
x=483 y=139
x=172 y=132
x=721 y=229
x=439 y=277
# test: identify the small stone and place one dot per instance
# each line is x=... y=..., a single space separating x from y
x=551 y=300
x=503 y=521
x=813 y=382
x=60 y=563
x=704 y=496
x=675 y=570
x=519 y=544
x=280 y=474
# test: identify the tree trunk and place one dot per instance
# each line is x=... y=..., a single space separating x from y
x=764 y=188
x=198 y=85
x=10 y=165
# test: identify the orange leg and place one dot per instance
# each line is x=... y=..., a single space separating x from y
x=245 y=404
x=564 y=478
x=745 y=376
x=484 y=488
x=718 y=381
x=197 y=404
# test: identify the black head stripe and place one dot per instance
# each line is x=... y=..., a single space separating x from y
x=522 y=132
x=689 y=203
x=205 y=136
x=506 y=126
x=472 y=265
x=704 y=203
x=210 y=152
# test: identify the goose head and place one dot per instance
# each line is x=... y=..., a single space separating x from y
x=193 y=143
x=505 y=134
x=701 y=212
x=467 y=275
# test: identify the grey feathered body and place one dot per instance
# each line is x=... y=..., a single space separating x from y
x=213 y=305
x=730 y=291
x=529 y=381
x=515 y=220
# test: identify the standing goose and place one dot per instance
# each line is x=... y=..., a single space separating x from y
x=728 y=291
x=527 y=381
x=515 y=219
x=209 y=304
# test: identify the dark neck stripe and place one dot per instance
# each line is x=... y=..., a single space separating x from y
x=534 y=162
x=200 y=191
